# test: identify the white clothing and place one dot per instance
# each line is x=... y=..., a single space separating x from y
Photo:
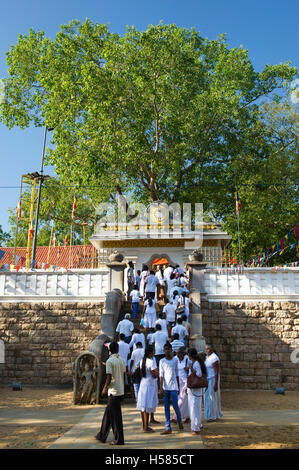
x=135 y=294
x=150 y=320
x=209 y=364
x=167 y=272
x=130 y=275
x=136 y=357
x=181 y=367
x=163 y=324
x=151 y=283
x=181 y=330
x=194 y=405
x=150 y=309
x=142 y=282
x=175 y=301
x=148 y=392
x=123 y=351
x=138 y=280
x=171 y=284
x=168 y=371
x=169 y=309
x=125 y=326
x=160 y=277
x=150 y=338
x=212 y=400
x=160 y=339
x=185 y=301
x=135 y=338
x=177 y=344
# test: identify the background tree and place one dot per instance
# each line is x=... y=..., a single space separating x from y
x=163 y=114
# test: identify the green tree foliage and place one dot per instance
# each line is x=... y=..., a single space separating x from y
x=163 y=114
x=56 y=205
x=5 y=238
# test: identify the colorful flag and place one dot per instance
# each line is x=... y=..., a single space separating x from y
x=59 y=249
x=65 y=241
x=19 y=211
x=31 y=232
x=74 y=207
x=238 y=203
x=2 y=253
x=54 y=240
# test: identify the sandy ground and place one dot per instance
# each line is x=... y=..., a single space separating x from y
x=218 y=435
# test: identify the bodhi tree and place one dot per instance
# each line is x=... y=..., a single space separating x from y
x=163 y=114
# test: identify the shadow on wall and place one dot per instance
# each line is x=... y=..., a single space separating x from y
x=255 y=343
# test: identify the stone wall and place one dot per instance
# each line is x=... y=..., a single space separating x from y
x=254 y=342
x=43 y=339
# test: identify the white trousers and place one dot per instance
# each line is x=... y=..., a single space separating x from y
x=195 y=404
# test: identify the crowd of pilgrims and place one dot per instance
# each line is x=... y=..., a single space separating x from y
x=157 y=353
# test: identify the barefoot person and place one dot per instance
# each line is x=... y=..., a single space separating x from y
x=114 y=387
x=212 y=400
x=148 y=393
x=170 y=386
x=195 y=395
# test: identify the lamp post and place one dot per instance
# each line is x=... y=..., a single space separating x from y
x=41 y=177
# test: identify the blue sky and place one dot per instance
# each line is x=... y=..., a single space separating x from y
x=268 y=29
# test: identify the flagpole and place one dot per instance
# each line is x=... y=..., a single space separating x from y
x=239 y=237
x=28 y=257
x=17 y=227
x=71 y=244
x=49 y=250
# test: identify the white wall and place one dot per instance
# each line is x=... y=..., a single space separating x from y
x=50 y=286
x=253 y=284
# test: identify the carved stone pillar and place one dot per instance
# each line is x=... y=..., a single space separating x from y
x=116 y=271
x=196 y=270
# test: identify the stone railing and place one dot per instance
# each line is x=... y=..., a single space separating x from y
x=42 y=285
x=253 y=284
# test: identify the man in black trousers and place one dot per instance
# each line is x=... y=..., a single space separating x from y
x=114 y=387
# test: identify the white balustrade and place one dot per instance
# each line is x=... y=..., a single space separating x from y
x=253 y=284
x=43 y=285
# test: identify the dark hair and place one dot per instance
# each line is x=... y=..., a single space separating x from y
x=182 y=350
x=172 y=276
x=150 y=301
x=167 y=301
x=139 y=343
x=184 y=318
x=175 y=293
x=113 y=347
x=136 y=330
x=152 y=272
x=148 y=351
x=176 y=336
x=135 y=287
x=161 y=314
x=194 y=355
x=210 y=345
x=144 y=267
x=131 y=264
x=179 y=320
x=122 y=336
x=158 y=326
x=138 y=272
x=167 y=346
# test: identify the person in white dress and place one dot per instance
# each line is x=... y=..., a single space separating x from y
x=161 y=288
x=149 y=313
x=184 y=301
x=195 y=395
x=147 y=401
x=171 y=284
x=143 y=276
x=183 y=367
x=212 y=398
x=163 y=322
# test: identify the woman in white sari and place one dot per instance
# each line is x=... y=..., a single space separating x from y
x=212 y=400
